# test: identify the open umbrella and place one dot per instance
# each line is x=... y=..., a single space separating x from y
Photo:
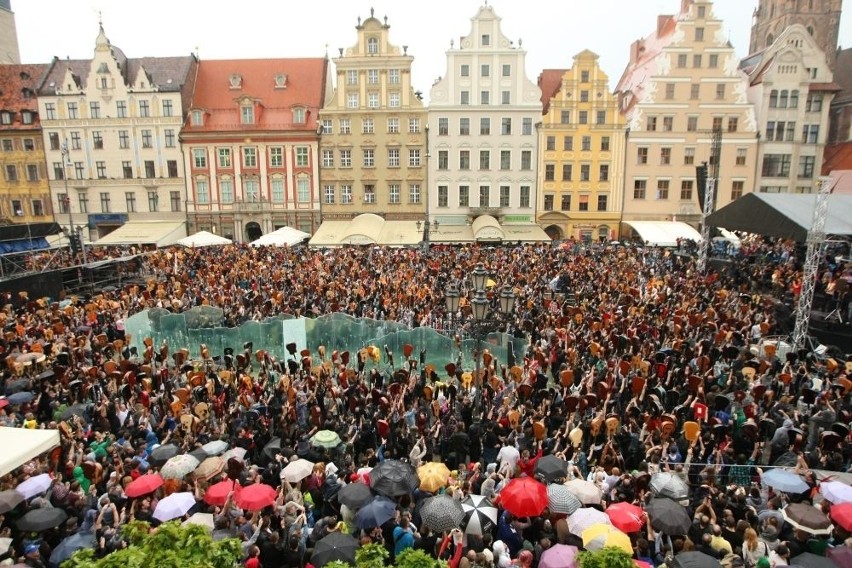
x=355 y=495
x=668 y=516
x=836 y=492
x=162 y=454
x=335 y=546
x=559 y=556
x=394 y=478
x=375 y=513
x=807 y=518
x=842 y=515
x=215 y=447
x=584 y=518
x=626 y=517
x=811 y=560
x=480 y=515
x=695 y=559
x=199 y=454
x=255 y=497
x=35 y=485
x=179 y=467
x=5 y=544
x=201 y=519
x=667 y=484
x=70 y=545
x=143 y=485
x=784 y=481
x=550 y=468
x=20 y=397
x=74 y=410
x=217 y=494
x=840 y=555
x=174 y=506
x=297 y=470
x=561 y=500
x=326 y=439
x=210 y=467
x=238 y=454
x=272 y=448
x=587 y=492
x=524 y=497
x=10 y=499
x=600 y=535
x=433 y=476
x=441 y=513
x=37 y=520
x=17 y=385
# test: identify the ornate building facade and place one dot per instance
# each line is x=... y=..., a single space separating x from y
x=820 y=19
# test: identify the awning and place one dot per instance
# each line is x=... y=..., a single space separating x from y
x=487 y=228
x=160 y=233
x=664 y=233
x=364 y=229
x=525 y=233
x=400 y=234
x=329 y=234
x=203 y=239
x=20 y=445
x=285 y=236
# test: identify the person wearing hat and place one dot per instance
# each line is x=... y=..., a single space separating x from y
x=32 y=556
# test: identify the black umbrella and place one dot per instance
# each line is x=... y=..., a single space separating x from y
x=355 y=495
x=49 y=374
x=20 y=397
x=375 y=513
x=74 y=410
x=9 y=499
x=38 y=520
x=695 y=560
x=336 y=546
x=272 y=447
x=551 y=468
x=162 y=454
x=17 y=385
x=811 y=560
x=668 y=516
x=199 y=454
x=394 y=478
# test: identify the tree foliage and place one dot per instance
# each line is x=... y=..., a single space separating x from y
x=607 y=557
x=411 y=558
x=371 y=556
x=170 y=545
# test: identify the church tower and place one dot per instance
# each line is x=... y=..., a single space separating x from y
x=820 y=17
x=9 y=52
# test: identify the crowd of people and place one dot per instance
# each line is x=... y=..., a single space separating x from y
x=638 y=368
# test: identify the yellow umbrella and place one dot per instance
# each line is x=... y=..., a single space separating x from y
x=490 y=283
x=433 y=476
x=601 y=535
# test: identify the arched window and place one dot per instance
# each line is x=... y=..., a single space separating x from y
x=782 y=100
x=794 y=99
x=773 y=98
x=769 y=39
x=373 y=46
x=810 y=30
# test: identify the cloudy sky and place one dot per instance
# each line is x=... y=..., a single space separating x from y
x=552 y=31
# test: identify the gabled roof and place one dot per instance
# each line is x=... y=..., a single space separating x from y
x=168 y=74
x=644 y=52
x=549 y=81
x=277 y=86
x=14 y=79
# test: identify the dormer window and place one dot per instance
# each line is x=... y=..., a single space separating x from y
x=281 y=81
x=5 y=117
x=372 y=46
x=27 y=117
x=26 y=93
x=298 y=115
x=236 y=81
x=197 y=118
x=247 y=114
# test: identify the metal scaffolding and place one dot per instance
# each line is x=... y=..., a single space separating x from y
x=709 y=205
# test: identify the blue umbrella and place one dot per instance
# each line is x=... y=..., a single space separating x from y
x=784 y=481
x=71 y=545
x=20 y=397
x=375 y=514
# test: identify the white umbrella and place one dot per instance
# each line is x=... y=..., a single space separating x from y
x=174 y=506
x=202 y=519
x=298 y=470
x=587 y=492
x=480 y=515
x=238 y=454
x=215 y=447
x=35 y=485
x=836 y=492
x=5 y=543
x=582 y=519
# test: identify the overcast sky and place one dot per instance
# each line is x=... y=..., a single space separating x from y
x=552 y=31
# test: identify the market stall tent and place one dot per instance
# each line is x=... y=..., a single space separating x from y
x=203 y=239
x=285 y=236
x=664 y=233
x=22 y=444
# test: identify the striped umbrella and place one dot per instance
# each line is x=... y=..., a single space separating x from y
x=441 y=513
x=561 y=500
x=480 y=515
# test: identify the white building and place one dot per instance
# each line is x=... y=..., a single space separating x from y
x=482 y=136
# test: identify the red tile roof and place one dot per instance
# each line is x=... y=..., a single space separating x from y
x=643 y=58
x=837 y=157
x=18 y=91
x=305 y=87
x=549 y=81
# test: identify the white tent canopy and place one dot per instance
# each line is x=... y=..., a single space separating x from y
x=285 y=236
x=203 y=239
x=160 y=233
x=664 y=233
x=22 y=444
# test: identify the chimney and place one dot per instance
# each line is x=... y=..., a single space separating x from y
x=685 y=5
x=662 y=21
x=636 y=49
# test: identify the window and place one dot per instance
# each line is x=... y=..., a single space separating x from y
x=584 y=203
x=226 y=190
x=464 y=196
x=58 y=171
x=97 y=140
x=651 y=124
x=565 y=117
x=776 y=165
x=174 y=198
x=686 y=190
x=29 y=145
x=773 y=98
x=639 y=187
x=770 y=130
x=505 y=192
x=328 y=194
x=806 y=167
x=464 y=126
x=603 y=172
x=127 y=169
x=525 y=196
x=150 y=170
x=484 y=126
x=277 y=189
x=702 y=11
x=484 y=97
x=485 y=40
x=810 y=134
x=414 y=193
x=346 y=158
x=696 y=61
x=713 y=61
x=352 y=77
x=549 y=172
x=199 y=158
x=352 y=100
x=169 y=136
x=393 y=76
x=794 y=99
x=100 y=167
x=368 y=157
x=681 y=60
x=505 y=159
x=585 y=172
x=565 y=202
x=604 y=143
x=443 y=159
x=567 y=172
x=550 y=143
x=413 y=125
x=346 y=194
x=50 y=111
x=663 y=189
x=345 y=126
x=171 y=166
x=79 y=170
x=276 y=156
x=105 y=202
x=73 y=112
x=394 y=193
x=464 y=70
x=464 y=97
x=443 y=196
x=168 y=108
x=393 y=99
x=717 y=123
x=144 y=109
x=224 y=157
x=393 y=125
x=251 y=189
x=642 y=155
x=741 y=156
x=64 y=202
x=699 y=34
x=298 y=115
x=548 y=202
x=372 y=46
x=584 y=96
x=689 y=156
x=586 y=143
x=250 y=157
x=327 y=126
x=328 y=158
x=584 y=76
x=11 y=173
x=83 y=201
x=507 y=70
x=526 y=126
x=732 y=124
x=737 y=188
x=720 y=91
x=691 y=123
x=600 y=117
x=147 y=140
x=665 y=156
x=372 y=76
x=694 y=91
x=506 y=126
x=567 y=143
x=373 y=99
x=197 y=118
x=302 y=157
x=602 y=202
x=247 y=115
x=782 y=100
x=584 y=117
x=813 y=103
x=303 y=189
x=484 y=159
x=53 y=141
x=484 y=196
x=202 y=191
x=414 y=158
x=526 y=159
x=393 y=157
x=668 y=123
x=484 y=70
x=443 y=126
x=94 y=109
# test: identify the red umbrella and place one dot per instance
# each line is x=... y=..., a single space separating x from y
x=255 y=497
x=143 y=485
x=217 y=494
x=626 y=517
x=842 y=515
x=524 y=497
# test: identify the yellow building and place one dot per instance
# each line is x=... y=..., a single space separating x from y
x=581 y=153
x=24 y=189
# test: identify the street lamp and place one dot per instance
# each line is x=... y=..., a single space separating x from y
x=74 y=237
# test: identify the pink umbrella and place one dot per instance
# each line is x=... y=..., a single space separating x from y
x=559 y=556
